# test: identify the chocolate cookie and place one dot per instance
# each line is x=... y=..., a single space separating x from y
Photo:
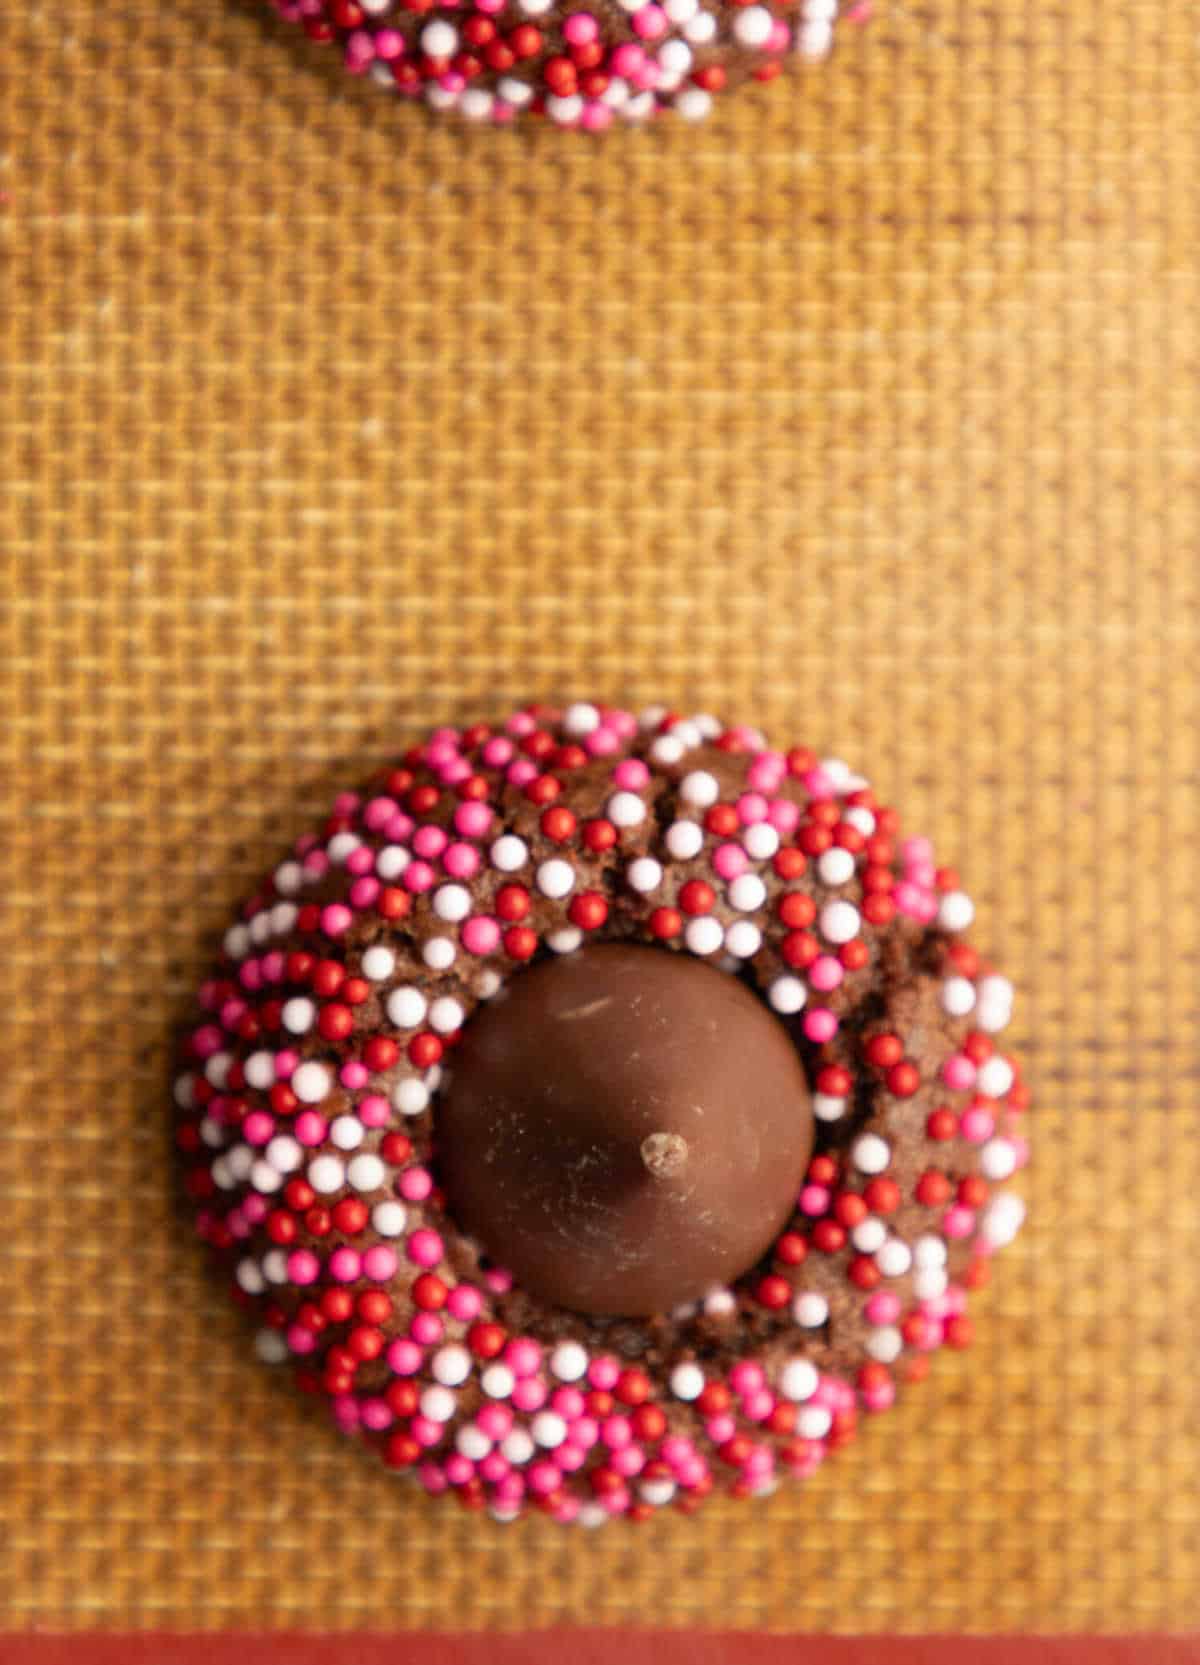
x=492 y=60
x=747 y=1189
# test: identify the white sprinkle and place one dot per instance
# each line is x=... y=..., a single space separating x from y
x=894 y=1259
x=270 y=1347
x=488 y=983
x=438 y=1404
x=212 y=1132
x=237 y=942
x=517 y=1447
x=1002 y=1219
x=743 y=939
x=955 y=911
x=446 y=1016
x=839 y=922
x=259 y=1070
x=687 y=1381
x=747 y=893
x=509 y=853
x=625 y=809
x=452 y=903
x=929 y=1251
x=283 y=917
x=391 y=861
x=998 y=1159
x=185 y=1092
x=657 y=1493
x=513 y=91
x=667 y=748
x=699 y=788
x=958 y=996
x=260 y=928
x=719 y=1303
x=439 y=953
x=347 y=1132
x=451 y=1365
x=548 y=1429
x=250 y=1278
x=704 y=935
x=568 y=1361
x=325 y=1174
x=753 y=26
x=593 y=1515
x=685 y=839
x=836 y=867
x=439 y=39
x=798 y=1380
x=814 y=1422
x=995 y=1078
x=472 y=1442
x=644 y=874
x=299 y=1015
x=565 y=111
x=861 y=819
x=406 y=1008
x=389 y=1218
x=311 y=1083
x=760 y=841
x=285 y=1153
x=555 y=878
x=869 y=1235
x=695 y=103
x=929 y=1282
x=274 y=1265
x=681 y=11
x=813 y=40
x=378 y=963
x=366 y=1173
x=885 y=1343
x=216 y=1069
x=787 y=995
x=410 y=1096
x=289 y=876
x=826 y=1108
x=675 y=58
x=340 y=846
x=565 y=941
x=580 y=718
x=810 y=1311
x=870 y=1154
x=476 y=104
x=497 y=1381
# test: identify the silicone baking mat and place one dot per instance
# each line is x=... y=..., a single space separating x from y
x=870 y=409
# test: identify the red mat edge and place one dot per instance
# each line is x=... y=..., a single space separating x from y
x=586 y=1647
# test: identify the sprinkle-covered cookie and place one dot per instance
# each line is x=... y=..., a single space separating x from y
x=582 y=66
x=311 y=1082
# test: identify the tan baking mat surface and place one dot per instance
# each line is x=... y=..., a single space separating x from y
x=872 y=407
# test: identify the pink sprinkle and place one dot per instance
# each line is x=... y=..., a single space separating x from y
x=364 y=893
x=461 y=861
x=353 y=1074
x=543 y=1478
x=426 y=1328
x=273 y=966
x=585 y=1431
x=825 y=973
x=432 y=1478
x=346 y=803
x=630 y=1460
x=497 y=751
x=424 y=1248
x=977 y=1124
x=820 y=1025
x=418 y=876
x=752 y=807
x=520 y=724
x=916 y=849
x=360 y=861
x=255 y=1208
x=374 y=1110
x=399 y=827
x=780 y=37
x=286 y=1063
x=495 y=1421
x=757 y=1407
x=345 y=1411
x=596 y=117
x=464 y=1302
x=441 y=749
x=746 y=1377
x=569 y=1458
x=249 y=975
x=958 y=1221
x=206 y=1041
x=303 y=1267
x=601 y=742
x=512 y=1488
x=335 y=919
x=414 y=1184
x=676 y=1450
x=300 y=1340
x=345 y=1264
x=882 y=1308
x=472 y=820
x=499 y=1280
x=379 y=1263
x=522 y=771
x=783 y=815
x=814 y=1200
x=627 y=60
x=523 y=1356
x=730 y=860
x=493 y=1467
x=425 y=1430
x=310 y=1128
x=603 y=1372
x=579 y=29
x=429 y=842
x=720 y=1428
x=622 y=723
x=632 y=774
x=958 y=1072
x=615 y=1432
x=316 y=864
x=480 y=935
x=568 y=1402
x=615 y=1502
x=376 y=1414
x=459 y=1469
x=258 y=1127
x=232 y=1012
x=378 y=812
x=404 y=1357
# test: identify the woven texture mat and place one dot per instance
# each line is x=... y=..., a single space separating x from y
x=869 y=409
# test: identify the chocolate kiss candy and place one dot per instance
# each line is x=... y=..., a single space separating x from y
x=623 y=1128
